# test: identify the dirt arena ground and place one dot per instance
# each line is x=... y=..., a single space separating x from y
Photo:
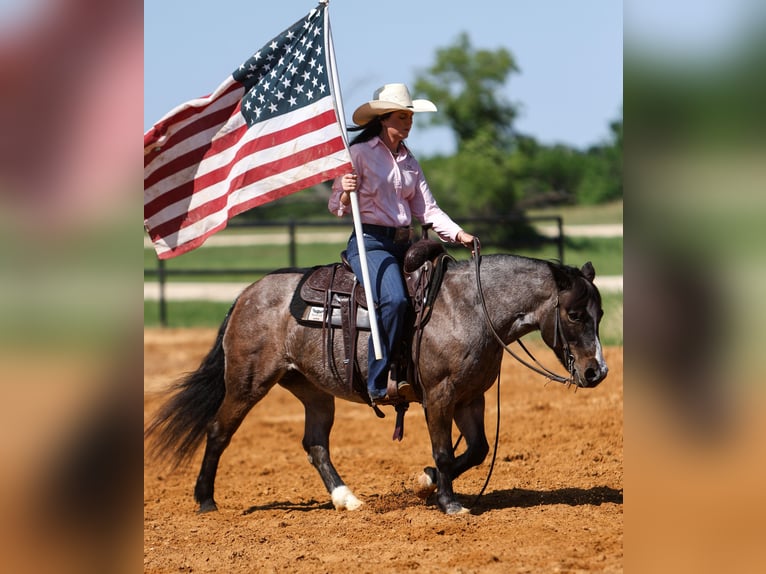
x=554 y=502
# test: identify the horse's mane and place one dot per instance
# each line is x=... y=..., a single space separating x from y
x=567 y=277
x=554 y=266
x=500 y=259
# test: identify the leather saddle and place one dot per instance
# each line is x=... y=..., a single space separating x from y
x=333 y=298
x=329 y=291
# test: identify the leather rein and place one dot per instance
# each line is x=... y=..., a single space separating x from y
x=538 y=369
x=558 y=332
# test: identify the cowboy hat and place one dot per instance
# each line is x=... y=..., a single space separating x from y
x=390 y=98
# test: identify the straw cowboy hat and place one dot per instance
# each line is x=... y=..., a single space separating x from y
x=390 y=98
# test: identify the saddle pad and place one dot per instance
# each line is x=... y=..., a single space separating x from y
x=314 y=316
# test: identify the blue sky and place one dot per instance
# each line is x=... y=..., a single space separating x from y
x=569 y=53
x=689 y=28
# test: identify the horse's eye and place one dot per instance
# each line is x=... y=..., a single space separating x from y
x=575 y=316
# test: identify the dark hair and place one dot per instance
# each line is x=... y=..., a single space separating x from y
x=369 y=130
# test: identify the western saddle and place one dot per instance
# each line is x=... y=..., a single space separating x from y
x=332 y=298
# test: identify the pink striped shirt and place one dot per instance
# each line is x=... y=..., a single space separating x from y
x=392 y=190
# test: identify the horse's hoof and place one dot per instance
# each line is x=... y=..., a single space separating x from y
x=455 y=508
x=344 y=499
x=205 y=507
x=425 y=486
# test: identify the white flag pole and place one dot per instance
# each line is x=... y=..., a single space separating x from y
x=365 y=275
x=357 y=218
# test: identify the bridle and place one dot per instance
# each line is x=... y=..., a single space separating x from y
x=558 y=332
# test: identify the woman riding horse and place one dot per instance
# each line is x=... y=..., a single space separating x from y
x=391 y=188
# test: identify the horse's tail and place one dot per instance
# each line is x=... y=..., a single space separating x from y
x=179 y=427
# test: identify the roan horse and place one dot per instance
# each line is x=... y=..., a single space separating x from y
x=260 y=345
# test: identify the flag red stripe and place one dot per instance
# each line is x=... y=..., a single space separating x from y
x=185 y=161
x=284 y=164
x=194 y=156
x=257 y=173
x=221 y=144
x=291 y=188
x=188 y=245
x=254 y=202
x=188 y=112
x=204 y=123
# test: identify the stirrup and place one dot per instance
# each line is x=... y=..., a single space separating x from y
x=401 y=393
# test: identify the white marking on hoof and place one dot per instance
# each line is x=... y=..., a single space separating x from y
x=344 y=499
x=425 y=487
x=459 y=511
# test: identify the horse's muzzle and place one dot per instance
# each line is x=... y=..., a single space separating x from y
x=593 y=376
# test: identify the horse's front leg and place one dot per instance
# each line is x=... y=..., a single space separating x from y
x=320 y=415
x=470 y=421
x=439 y=420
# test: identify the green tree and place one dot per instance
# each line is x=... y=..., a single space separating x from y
x=549 y=175
x=468 y=84
x=496 y=170
x=602 y=174
x=546 y=175
x=475 y=181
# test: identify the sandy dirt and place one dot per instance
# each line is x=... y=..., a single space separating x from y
x=554 y=502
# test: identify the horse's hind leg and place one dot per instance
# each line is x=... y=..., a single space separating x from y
x=221 y=429
x=320 y=415
x=242 y=393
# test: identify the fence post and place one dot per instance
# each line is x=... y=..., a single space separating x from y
x=161 y=277
x=560 y=238
x=293 y=256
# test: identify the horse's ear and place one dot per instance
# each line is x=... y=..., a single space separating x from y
x=588 y=271
x=562 y=278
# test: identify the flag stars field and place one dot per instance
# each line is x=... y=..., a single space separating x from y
x=297 y=60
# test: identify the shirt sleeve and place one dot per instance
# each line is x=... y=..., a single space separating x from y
x=334 y=204
x=424 y=207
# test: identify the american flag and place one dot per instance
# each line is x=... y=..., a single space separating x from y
x=270 y=129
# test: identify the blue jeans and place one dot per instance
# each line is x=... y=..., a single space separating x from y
x=384 y=259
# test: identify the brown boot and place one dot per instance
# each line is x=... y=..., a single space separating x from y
x=399 y=391
x=406 y=392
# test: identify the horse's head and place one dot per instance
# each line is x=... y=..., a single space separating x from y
x=572 y=329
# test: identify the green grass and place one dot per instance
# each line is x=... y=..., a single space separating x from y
x=604 y=253
x=584 y=214
x=611 y=324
